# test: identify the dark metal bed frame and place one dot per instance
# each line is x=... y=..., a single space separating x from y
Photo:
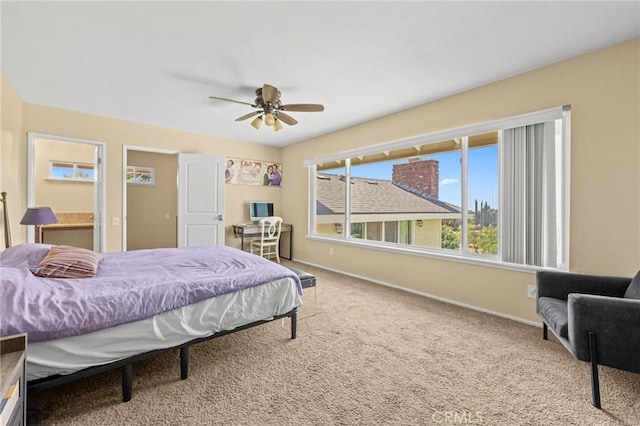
x=127 y=363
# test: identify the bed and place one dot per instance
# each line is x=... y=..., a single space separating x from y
x=139 y=304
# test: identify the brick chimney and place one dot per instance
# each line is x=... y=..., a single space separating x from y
x=418 y=175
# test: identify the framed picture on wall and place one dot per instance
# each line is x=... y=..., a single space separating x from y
x=253 y=172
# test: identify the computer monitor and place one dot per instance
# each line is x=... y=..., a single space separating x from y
x=260 y=209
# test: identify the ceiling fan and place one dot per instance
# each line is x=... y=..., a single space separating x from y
x=270 y=108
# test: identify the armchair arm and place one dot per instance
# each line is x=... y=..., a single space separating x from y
x=615 y=323
x=560 y=284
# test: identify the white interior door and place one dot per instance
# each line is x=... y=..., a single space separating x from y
x=200 y=200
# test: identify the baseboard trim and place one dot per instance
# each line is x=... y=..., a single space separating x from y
x=430 y=296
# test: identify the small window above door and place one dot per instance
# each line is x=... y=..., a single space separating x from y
x=138 y=175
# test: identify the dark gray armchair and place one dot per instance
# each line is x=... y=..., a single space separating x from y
x=597 y=318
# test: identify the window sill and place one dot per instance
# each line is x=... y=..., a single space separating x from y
x=420 y=252
x=69 y=180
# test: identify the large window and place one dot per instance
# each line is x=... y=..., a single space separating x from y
x=495 y=191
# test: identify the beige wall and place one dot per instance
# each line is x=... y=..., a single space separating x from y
x=604 y=91
x=116 y=133
x=13 y=159
x=152 y=210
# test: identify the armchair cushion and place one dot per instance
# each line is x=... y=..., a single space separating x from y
x=633 y=291
x=555 y=313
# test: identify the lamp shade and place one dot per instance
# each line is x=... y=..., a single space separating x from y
x=269 y=119
x=257 y=122
x=38 y=216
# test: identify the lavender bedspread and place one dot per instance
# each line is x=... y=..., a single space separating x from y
x=128 y=287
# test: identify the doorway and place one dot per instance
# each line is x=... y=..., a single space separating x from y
x=171 y=199
x=67 y=175
x=150 y=198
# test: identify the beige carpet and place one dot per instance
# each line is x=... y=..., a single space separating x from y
x=365 y=355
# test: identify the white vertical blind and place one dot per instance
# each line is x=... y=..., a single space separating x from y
x=529 y=219
x=552 y=205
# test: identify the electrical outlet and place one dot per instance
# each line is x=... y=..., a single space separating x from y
x=330 y=251
x=532 y=291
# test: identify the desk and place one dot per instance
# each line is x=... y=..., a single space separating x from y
x=252 y=231
x=70 y=234
x=63 y=227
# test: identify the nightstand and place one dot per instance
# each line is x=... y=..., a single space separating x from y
x=13 y=387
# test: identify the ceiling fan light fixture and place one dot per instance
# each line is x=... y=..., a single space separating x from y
x=256 y=123
x=270 y=108
x=269 y=119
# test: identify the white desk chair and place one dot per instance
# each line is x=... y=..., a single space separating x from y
x=268 y=245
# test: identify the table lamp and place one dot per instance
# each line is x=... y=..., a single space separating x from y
x=38 y=216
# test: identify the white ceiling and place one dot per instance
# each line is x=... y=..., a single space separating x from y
x=158 y=62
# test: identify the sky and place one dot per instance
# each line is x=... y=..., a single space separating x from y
x=482 y=174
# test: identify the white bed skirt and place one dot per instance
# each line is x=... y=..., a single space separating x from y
x=165 y=330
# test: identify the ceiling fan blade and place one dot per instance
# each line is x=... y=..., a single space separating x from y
x=251 y=114
x=231 y=100
x=269 y=94
x=302 y=107
x=285 y=118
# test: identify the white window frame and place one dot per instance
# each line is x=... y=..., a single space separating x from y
x=140 y=169
x=462 y=133
x=73 y=166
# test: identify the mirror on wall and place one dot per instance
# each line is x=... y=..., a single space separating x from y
x=65 y=174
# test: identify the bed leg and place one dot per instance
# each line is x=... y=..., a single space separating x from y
x=127 y=382
x=294 y=324
x=184 y=362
